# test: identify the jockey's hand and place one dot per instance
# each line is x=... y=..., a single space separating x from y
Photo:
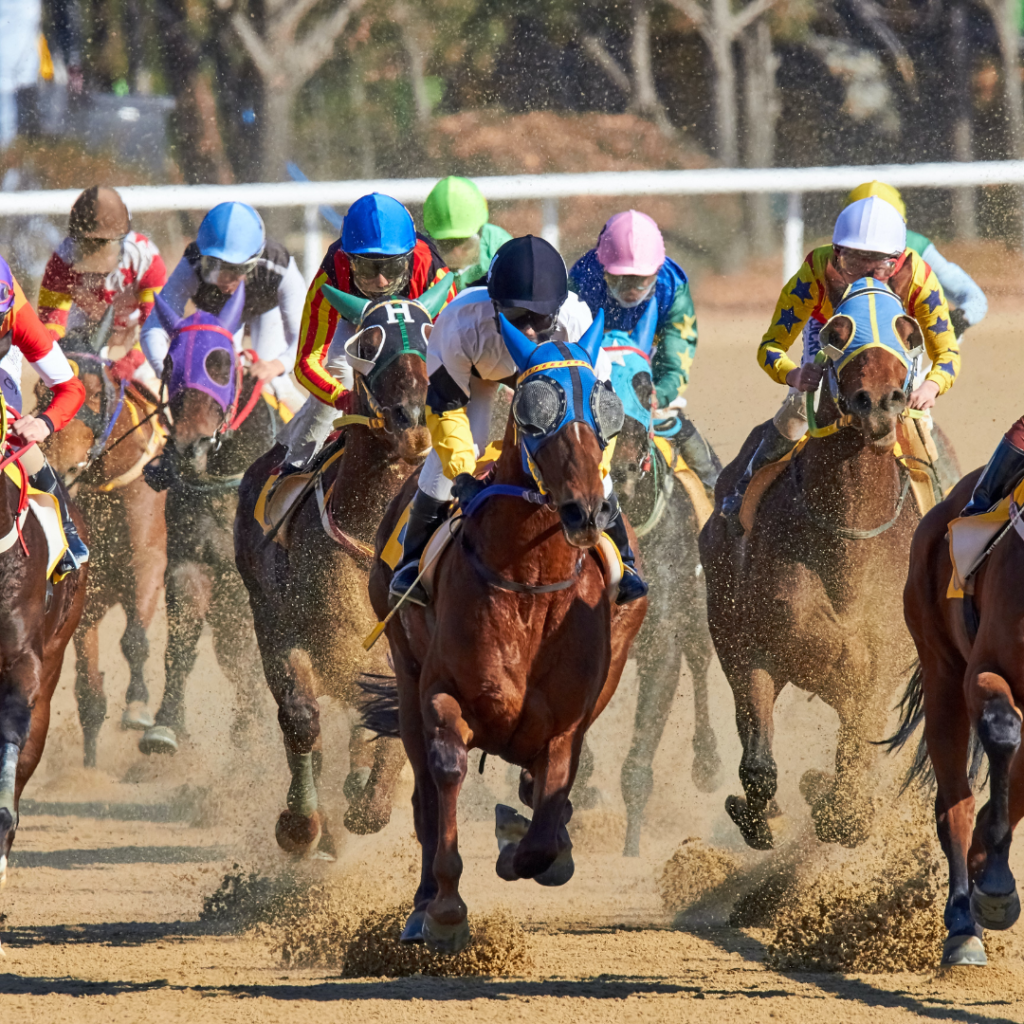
x=30 y=428
x=924 y=396
x=958 y=321
x=346 y=402
x=125 y=367
x=806 y=377
x=466 y=487
x=654 y=399
x=267 y=369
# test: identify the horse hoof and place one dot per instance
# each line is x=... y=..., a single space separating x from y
x=509 y=826
x=963 y=951
x=503 y=867
x=445 y=939
x=705 y=772
x=560 y=871
x=413 y=930
x=995 y=912
x=159 y=739
x=363 y=820
x=753 y=827
x=355 y=784
x=297 y=834
x=815 y=785
x=137 y=716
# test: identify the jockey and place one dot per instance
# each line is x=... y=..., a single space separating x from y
x=103 y=262
x=21 y=328
x=379 y=254
x=628 y=270
x=466 y=361
x=869 y=240
x=231 y=246
x=455 y=216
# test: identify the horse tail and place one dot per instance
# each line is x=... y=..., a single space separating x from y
x=911 y=709
x=380 y=711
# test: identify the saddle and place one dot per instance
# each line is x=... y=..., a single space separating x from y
x=972 y=539
x=46 y=509
x=687 y=478
x=908 y=450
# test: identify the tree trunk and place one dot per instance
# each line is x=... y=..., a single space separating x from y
x=644 y=98
x=762 y=111
x=417 y=66
x=965 y=219
x=278 y=106
x=1004 y=15
x=720 y=44
x=367 y=156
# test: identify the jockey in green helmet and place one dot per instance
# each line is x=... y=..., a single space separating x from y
x=455 y=216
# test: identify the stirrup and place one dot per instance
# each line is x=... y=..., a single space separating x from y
x=405 y=584
x=632 y=587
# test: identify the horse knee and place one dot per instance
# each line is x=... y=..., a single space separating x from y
x=759 y=775
x=299 y=719
x=134 y=642
x=999 y=729
x=447 y=760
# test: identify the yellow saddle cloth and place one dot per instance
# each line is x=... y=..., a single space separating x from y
x=970 y=539
x=279 y=497
x=688 y=480
x=46 y=509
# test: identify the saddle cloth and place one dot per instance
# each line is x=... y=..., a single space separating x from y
x=45 y=508
x=970 y=539
x=278 y=500
x=688 y=480
x=920 y=480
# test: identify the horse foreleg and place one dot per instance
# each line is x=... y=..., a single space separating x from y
x=445 y=927
x=92 y=701
x=370 y=810
x=755 y=694
x=994 y=900
x=658 y=661
x=188 y=601
x=699 y=652
x=135 y=648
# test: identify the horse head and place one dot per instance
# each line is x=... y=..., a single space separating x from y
x=564 y=419
x=388 y=355
x=200 y=373
x=632 y=379
x=872 y=349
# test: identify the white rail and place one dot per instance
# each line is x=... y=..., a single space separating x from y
x=546 y=187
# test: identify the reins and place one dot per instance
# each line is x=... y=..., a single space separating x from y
x=663 y=490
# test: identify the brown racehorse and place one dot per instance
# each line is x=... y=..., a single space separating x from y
x=971 y=679
x=309 y=600
x=521 y=648
x=101 y=454
x=811 y=595
x=35 y=627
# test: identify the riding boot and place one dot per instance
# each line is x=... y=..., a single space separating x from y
x=632 y=585
x=425 y=516
x=772 y=447
x=1003 y=471
x=77 y=553
x=699 y=456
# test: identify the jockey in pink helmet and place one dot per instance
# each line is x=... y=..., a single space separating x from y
x=625 y=273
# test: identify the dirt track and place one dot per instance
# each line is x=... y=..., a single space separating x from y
x=111 y=866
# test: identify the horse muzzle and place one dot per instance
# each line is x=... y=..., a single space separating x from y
x=876 y=417
x=583 y=524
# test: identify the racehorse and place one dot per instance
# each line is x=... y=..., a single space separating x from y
x=969 y=686
x=37 y=619
x=810 y=594
x=309 y=600
x=101 y=454
x=666 y=526
x=219 y=428
x=522 y=647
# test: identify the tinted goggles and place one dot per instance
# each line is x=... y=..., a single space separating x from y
x=391 y=268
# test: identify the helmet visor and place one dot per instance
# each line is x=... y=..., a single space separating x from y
x=858 y=263
x=220 y=273
x=526 y=319
x=377 y=276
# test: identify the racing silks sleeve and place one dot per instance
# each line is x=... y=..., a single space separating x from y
x=319 y=320
x=150 y=284
x=927 y=304
x=801 y=297
x=55 y=296
x=452 y=439
x=676 y=345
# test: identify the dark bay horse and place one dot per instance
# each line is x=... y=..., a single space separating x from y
x=101 y=455
x=522 y=646
x=220 y=426
x=970 y=688
x=309 y=599
x=37 y=619
x=676 y=624
x=811 y=595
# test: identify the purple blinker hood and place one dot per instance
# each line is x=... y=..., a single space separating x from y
x=193 y=339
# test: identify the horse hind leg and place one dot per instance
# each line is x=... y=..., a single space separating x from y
x=89 y=695
x=135 y=648
x=9 y=754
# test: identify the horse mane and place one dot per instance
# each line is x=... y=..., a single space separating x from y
x=379 y=713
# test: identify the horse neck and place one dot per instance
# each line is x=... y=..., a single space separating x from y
x=118 y=460
x=8 y=504
x=640 y=505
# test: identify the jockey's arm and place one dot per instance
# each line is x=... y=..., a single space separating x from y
x=55 y=296
x=150 y=284
x=180 y=287
x=49 y=362
x=931 y=311
x=319 y=322
x=291 y=299
x=958 y=286
x=800 y=297
x=447 y=418
x=676 y=347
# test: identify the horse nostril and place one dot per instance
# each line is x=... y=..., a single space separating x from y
x=572 y=515
x=861 y=402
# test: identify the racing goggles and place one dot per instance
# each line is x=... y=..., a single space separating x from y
x=97 y=255
x=862 y=264
x=527 y=319
x=539 y=407
x=216 y=271
x=394 y=269
x=6 y=297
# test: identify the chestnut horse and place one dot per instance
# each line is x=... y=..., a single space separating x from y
x=970 y=681
x=522 y=646
x=676 y=625
x=101 y=454
x=37 y=619
x=308 y=599
x=811 y=595
x=219 y=428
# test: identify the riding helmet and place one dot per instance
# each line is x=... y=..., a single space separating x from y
x=232 y=233
x=99 y=212
x=529 y=274
x=871 y=225
x=883 y=191
x=455 y=208
x=377 y=225
x=631 y=243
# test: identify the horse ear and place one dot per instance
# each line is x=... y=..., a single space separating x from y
x=909 y=332
x=231 y=315
x=432 y=300
x=591 y=341
x=643 y=333
x=169 y=320
x=104 y=329
x=520 y=348
x=350 y=307
x=838 y=331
